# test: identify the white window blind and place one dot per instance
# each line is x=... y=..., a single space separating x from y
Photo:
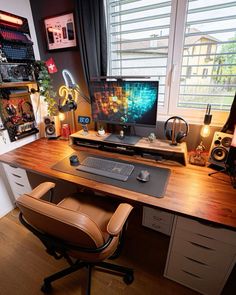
x=189 y=46
x=210 y=51
x=138 y=34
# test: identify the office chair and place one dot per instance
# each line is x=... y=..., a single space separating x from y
x=82 y=229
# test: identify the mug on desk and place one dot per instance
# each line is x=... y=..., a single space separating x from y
x=65 y=131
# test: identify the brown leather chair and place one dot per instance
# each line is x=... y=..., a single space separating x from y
x=83 y=229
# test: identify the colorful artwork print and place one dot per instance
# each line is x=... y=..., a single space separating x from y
x=125 y=102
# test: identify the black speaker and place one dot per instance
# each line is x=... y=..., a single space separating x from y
x=231 y=160
x=52 y=126
x=220 y=148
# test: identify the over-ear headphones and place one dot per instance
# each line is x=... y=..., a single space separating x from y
x=175 y=133
x=69 y=105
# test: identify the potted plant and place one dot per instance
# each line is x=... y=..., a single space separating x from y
x=45 y=87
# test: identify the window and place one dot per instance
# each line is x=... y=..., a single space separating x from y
x=189 y=72
x=204 y=73
x=139 y=38
x=188 y=45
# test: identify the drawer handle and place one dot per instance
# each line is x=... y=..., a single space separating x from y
x=194 y=260
x=156 y=226
x=13 y=166
x=210 y=238
x=16 y=175
x=191 y=274
x=22 y=185
x=201 y=246
x=208 y=223
x=157 y=218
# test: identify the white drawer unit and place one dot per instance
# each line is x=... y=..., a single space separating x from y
x=158 y=220
x=200 y=256
x=18 y=180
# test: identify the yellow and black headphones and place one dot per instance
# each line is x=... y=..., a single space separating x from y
x=175 y=132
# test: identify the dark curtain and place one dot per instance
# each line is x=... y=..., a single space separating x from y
x=231 y=121
x=92 y=37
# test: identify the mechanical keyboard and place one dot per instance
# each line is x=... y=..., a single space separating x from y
x=18 y=52
x=13 y=36
x=108 y=168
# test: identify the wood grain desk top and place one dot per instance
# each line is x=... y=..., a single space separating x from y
x=190 y=191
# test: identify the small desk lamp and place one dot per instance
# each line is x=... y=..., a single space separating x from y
x=198 y=158
x=205 y=131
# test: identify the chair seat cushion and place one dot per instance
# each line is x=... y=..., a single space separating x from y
x=99 y=210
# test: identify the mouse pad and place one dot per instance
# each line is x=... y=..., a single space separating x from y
x=154 y=187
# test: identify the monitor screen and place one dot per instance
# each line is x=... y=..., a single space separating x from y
x=125 y=102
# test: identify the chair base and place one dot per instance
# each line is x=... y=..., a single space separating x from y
x=127 y=273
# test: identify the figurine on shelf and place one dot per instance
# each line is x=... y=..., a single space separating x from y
x=198 y=157
x=101 y=131
x=152 y=137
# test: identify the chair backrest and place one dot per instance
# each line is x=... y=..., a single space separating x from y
x=70 y=226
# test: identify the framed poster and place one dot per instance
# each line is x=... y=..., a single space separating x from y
x=60 y=31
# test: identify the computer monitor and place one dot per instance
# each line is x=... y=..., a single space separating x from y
x=125 y=102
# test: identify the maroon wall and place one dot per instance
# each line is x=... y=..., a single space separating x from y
x=64 y=59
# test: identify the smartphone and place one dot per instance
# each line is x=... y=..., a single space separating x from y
x=50 y=35
x=70 y=31
x=64 y=33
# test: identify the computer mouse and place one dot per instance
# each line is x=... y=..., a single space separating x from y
x=143 y=176
x=74 y=160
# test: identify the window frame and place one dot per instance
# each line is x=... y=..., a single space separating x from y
x=173 y=70
x=194 y=116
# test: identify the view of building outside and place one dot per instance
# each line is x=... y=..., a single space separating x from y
x=139 y=35
x=209 y=57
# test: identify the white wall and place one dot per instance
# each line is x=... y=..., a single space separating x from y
x=21 y=8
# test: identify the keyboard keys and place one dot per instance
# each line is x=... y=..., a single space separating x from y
x=16 y=46
x=108 y=168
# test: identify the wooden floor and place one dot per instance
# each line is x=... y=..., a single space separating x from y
x=24 y=263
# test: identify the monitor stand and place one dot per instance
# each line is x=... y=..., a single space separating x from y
x=127 y=139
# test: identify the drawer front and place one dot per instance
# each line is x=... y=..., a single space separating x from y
x=217 y=233
x=158 y=220
x=200 y=277
x=11 y=170
x=19 y=189
x=155 y=215
x=159 y=226
x=18 y=180
x=213 y=253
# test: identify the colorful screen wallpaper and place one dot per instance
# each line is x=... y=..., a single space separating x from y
x=125 y=102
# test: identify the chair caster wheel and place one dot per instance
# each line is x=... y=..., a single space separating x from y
x=46 y=288
x=128 y=278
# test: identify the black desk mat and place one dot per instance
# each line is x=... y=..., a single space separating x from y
x=155 y=187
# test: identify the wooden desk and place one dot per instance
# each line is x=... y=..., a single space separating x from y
x=190 y=191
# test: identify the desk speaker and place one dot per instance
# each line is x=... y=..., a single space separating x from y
x=52 y=126
x=220 y=147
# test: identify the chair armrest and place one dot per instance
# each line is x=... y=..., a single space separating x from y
x=118 y=219
x=41 y=189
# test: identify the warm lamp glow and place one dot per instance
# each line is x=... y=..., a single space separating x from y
x=205 y=131
x=54 y=30
x=61 y=116
x=11 y=19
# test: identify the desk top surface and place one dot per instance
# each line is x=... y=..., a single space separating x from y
x=190 y=191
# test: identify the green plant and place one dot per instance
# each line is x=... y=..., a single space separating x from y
x=45 y=87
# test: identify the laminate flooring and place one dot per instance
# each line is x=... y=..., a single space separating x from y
x=24 y=263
